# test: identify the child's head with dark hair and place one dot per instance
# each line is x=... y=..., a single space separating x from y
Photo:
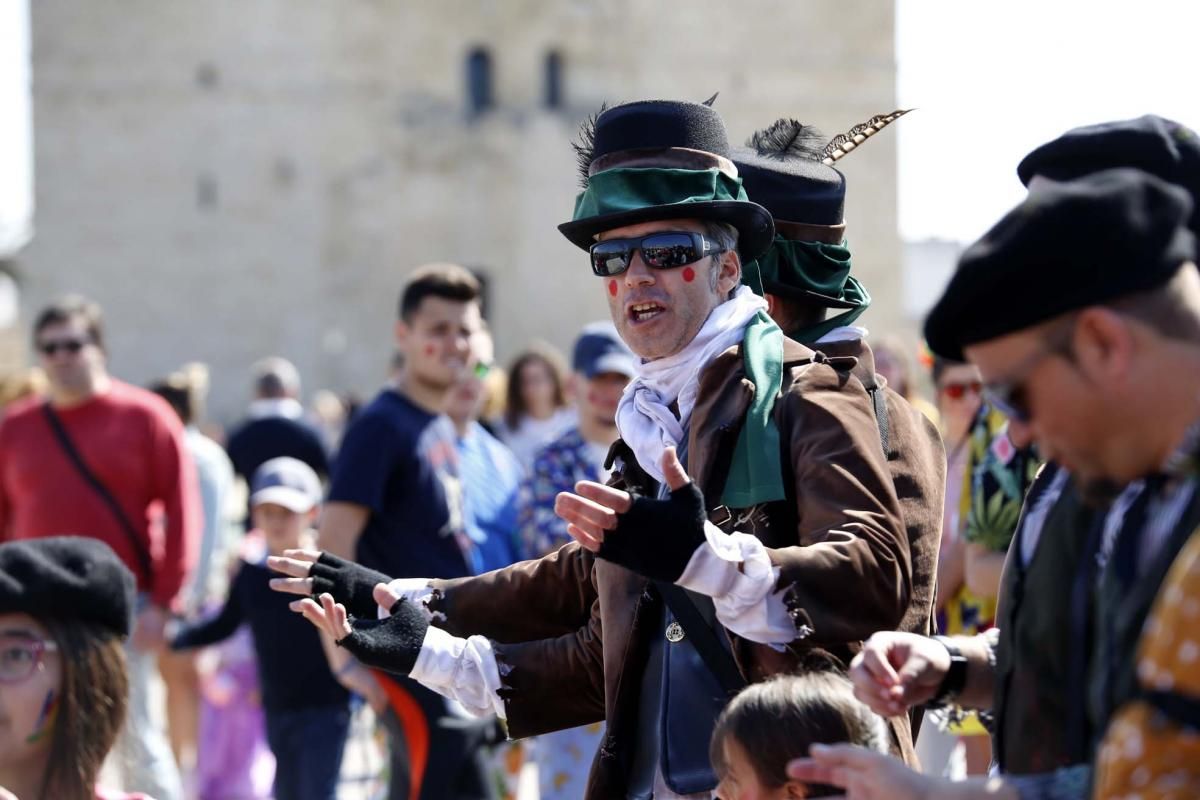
x=768 y=724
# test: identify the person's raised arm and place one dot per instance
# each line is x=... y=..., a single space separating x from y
x=341 y=526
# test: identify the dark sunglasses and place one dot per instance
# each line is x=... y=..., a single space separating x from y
x=662 y=250
x=957 y=391
x=71 y=346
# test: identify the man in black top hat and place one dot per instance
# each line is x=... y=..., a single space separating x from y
x=1115 y=307
x=781 y=537
x=806 y=279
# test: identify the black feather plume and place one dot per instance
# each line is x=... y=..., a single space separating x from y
x=788 y=139
x=585 y=145
x=711 y=100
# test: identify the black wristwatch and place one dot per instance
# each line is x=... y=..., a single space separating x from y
x=956 y=677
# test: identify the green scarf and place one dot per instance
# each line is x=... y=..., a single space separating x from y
x=813 y=267
x=633 y=188
x=756 y=472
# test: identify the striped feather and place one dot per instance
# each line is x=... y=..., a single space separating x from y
x=844 y=143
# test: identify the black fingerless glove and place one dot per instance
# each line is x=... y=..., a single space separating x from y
x=391 y=644
x=656 y=538
x=351 y=584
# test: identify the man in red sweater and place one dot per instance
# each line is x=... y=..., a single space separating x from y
x=101 y=458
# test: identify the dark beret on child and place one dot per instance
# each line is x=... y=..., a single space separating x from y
x=67 y=578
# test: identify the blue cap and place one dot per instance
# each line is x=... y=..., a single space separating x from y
x=599 y=350
x=286 y=482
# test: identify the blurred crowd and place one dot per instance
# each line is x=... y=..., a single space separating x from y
x=722 y=547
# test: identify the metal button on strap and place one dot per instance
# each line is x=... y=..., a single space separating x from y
x=674 y=633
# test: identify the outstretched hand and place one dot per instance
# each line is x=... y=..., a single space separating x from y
x=392 y=643
x=594 y=507
x=654 y=538
x=314 y=572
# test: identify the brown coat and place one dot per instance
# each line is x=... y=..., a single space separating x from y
x=571 y=632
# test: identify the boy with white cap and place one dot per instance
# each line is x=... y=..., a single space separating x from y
x=307 y=709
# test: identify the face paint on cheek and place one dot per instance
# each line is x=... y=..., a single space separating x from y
x=45 y=720
x=689 y=274
x=612 y=288
x=430 y=350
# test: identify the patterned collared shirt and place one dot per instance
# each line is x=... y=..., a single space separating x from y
x=557 y=468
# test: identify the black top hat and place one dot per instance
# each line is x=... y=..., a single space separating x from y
x=675 y=164
x=1150 y=143
x=781 y=168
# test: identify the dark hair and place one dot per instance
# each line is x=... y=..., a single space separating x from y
x=448 y=281
x=514 y=404
x=797 y=313
x=939 y=367
x=91 y=708
x=777 y=720
x=69 y=308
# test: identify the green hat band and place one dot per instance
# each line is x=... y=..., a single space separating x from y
x=808 y=266
x=615 y=191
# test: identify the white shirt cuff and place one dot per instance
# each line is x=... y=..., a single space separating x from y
x=736 y=572
x=414 y=590
x=463 y=670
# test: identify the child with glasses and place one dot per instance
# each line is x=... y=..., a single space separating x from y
x=65 y=606
x=768 y=724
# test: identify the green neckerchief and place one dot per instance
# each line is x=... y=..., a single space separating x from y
x=756 y=472
x=633 y=188
x=817 y=267
x=854 y=291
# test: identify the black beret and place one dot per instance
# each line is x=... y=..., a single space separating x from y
x=1066 y=246
x=64 y=578
x=1152 y=144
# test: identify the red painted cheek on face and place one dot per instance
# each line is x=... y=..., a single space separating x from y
x=612 y=288
x=689 y=274
x=430 y=350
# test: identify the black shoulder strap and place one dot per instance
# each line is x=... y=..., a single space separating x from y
x=718 y=660
x=68 y=447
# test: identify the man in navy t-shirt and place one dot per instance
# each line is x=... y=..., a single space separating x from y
x=395 y=503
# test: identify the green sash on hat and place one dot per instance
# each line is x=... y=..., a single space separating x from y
x=756 y=472
x=634 y=188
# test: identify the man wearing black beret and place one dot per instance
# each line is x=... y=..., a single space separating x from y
x=1100 y=366
x=781 y=536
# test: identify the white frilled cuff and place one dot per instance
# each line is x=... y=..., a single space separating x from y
x=414 y=590
x=463 y=670
x=736 y=572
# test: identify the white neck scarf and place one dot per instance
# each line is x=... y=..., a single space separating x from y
x=644 y=418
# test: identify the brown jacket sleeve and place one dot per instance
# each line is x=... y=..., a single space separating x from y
x=553 y=684
x=539 y=599
x=851 y=573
